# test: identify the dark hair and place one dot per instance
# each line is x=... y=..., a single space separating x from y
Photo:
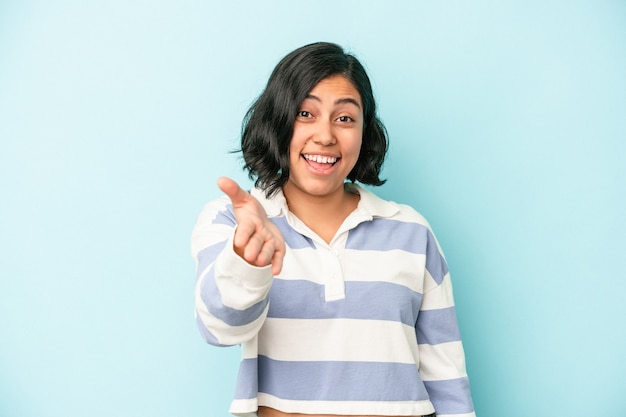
x=268 y=125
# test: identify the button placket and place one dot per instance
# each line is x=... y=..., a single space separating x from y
x=335 y=288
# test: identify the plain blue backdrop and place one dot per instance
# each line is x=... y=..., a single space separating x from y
x=507 y=123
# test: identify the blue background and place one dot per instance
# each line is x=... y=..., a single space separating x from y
x=507 y=123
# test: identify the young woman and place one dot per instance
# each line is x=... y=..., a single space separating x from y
x=342 y=301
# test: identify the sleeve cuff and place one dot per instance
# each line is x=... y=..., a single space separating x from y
x=240 y=283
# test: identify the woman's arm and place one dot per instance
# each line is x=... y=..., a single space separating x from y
x=442 y=360
x=237 y=250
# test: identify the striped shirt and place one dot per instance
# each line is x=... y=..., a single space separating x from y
x=364 y=324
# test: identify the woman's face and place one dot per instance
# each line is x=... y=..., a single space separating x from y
x=326 y=139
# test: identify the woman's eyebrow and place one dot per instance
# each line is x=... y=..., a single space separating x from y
x=338 y=101
x=348 y=100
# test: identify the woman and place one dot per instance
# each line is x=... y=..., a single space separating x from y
x=341 y=301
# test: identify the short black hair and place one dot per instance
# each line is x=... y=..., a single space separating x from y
x=268 y=125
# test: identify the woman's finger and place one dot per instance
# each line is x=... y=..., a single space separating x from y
x=236 y=194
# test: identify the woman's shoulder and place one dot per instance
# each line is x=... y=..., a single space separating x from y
x=411 y=214
x=390 y=209
x=212 y=207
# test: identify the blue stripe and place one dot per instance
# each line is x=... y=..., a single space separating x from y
x=450 y=396
x=385 y=234
x=247 y=381
x=206 y=334
x=226 y=216
x=233 y=317
x=293 y=239
x=435 y=263
x=340 y=381
x=437 y=326
x=207 y=255
x=299 y=299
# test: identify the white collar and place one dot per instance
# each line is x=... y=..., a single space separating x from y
x=370 y=205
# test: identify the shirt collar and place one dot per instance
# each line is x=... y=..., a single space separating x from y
x=275 y=206
x=373 y=205
x=370 y=204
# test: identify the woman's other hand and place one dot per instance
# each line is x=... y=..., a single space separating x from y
x=257 y=239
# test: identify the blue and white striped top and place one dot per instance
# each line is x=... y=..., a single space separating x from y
x=363 y=325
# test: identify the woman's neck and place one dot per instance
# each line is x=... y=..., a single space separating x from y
x=322 y=214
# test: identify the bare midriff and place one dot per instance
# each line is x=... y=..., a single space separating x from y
x=271 y=412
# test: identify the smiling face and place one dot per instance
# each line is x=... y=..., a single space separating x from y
x=326 y=140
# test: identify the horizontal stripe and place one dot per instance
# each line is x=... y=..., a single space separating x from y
x=206 y=334
x=443 y=361
x=247 y=386
x=205 y=232
x=340 y=381
x=226 y=216
x=435 y=263
x=233 y=317
x=437 y=326
x=382 y=408
x=207 y=255
x=224 y=334
x=385 y=234
x=437 y=296
x=244 y=407
x=292 y=238
x=250 y=349
x=338 y=340
x=308 y=264
x=450 y=396
x=390 y=266
x=354 y=265
x=363 y=300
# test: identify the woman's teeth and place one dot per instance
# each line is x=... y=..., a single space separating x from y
x=321 y=159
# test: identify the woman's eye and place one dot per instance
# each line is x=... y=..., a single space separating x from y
x=345 y=119
x=304 y=113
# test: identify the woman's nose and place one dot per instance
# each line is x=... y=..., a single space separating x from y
x=324 y=134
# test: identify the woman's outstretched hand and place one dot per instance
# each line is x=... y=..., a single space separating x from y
x=257 y=240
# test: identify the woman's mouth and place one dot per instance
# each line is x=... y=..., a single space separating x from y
x=321 y=159
x=320 y=164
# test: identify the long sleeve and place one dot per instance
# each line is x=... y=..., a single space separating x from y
x=231 y=296
x=442 y=360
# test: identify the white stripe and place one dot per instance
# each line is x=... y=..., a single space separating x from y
x=438 y=296
x=244 y=408
x=347 y=407
x=250 y=349
x=338 y=340
x=240 y=284
x=205 y=233
x=356 y=265
x=311 y=266
x=321 y=266
x=225 y=334
x=457 y=415
x=218 y=233
x=408 y=269
x=442 y=361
